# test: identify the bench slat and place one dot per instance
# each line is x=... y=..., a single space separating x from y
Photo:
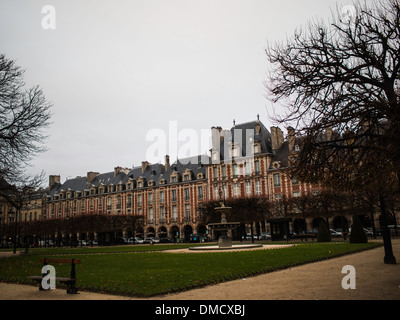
x=57 y=278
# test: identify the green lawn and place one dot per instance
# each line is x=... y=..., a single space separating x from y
x=150 y=273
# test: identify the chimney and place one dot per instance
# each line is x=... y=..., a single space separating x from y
x=167 y=165
x=291 y=138
x=258 y=125
x=53 y=180
x=144 y=166
x=90 y=176
x=116 y=170
x=276 y=138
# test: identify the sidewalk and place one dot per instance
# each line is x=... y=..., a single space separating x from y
x=320 y=280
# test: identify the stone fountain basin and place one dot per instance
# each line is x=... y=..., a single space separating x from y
x=233 y=247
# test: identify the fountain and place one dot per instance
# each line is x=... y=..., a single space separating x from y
x=224 y=241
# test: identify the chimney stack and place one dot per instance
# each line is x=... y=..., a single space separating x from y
x=54 y=179
x=276 y=138
x=90 y=176
x=117 y=170
x=167 y=165
x=144 y=166
x=291 y=138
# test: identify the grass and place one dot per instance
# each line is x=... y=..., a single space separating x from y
x=152 y=273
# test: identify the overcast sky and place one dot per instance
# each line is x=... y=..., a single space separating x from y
x=118 y=71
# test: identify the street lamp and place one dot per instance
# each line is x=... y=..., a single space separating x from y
x=15 y=214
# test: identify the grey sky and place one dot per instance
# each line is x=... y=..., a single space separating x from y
x=115 y=70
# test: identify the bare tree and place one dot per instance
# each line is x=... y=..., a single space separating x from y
x=24 y=114
x=340 y=85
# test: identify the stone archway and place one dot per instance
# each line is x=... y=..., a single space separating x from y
x=201 y=230
x=316 y=222
x=340 y=223
x=150 y=232
x=174 y=233
x=187 y=231
x=162 y=232
x=299 y=225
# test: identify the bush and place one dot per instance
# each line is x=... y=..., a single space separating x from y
x=357 y=234
x=323 y=234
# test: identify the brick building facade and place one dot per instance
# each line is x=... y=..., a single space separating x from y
x=246 y=161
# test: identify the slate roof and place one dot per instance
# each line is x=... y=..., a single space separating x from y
x=281 y=155
x=153 y=172
x=264 y=137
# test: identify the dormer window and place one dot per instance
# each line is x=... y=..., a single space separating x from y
x=276 y=164
x=174 y=177
x=257 y=148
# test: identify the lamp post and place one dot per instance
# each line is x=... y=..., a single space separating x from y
x=15 y=214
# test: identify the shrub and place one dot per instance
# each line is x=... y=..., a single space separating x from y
x=357 y=234
x=323 y=234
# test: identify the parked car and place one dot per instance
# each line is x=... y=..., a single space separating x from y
x=165 y=240
x=92 y=243
x=265 y=236
x=336 y=234
x=151 y=240
x=367 y=232
x=138 y=240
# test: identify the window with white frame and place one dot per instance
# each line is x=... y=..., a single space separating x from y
x=277 y=180
x=258 y=187
x=216 y=192
x=236 y=189
x=174 y=213
x=235 y=170
x=187 y=212
x=162 y=214
x=200 y=192
x=162 y=197
x=248 y=188
x=247 y=168
x=129 y=201
x=257 y=166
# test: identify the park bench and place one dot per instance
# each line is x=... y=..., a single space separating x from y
x=70 y=281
